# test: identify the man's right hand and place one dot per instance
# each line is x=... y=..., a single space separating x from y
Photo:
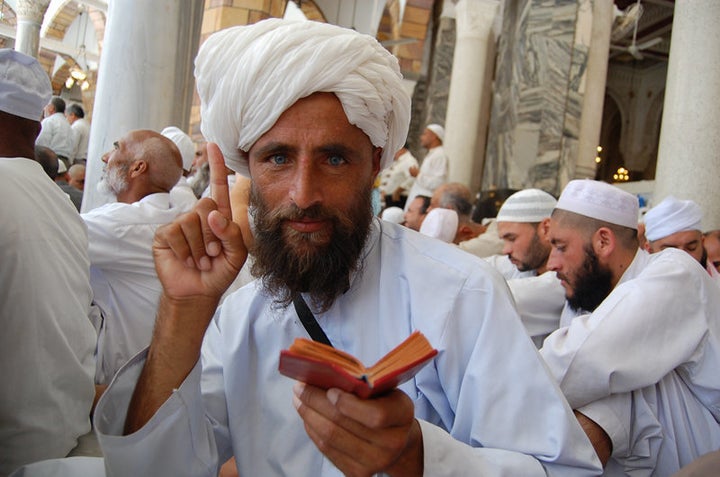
x=201 y=252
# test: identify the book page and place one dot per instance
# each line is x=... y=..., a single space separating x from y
x=415 y=347
x=323 y=352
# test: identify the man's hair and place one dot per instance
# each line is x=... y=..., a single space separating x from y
x=457 y=196
x=76 y=110
x=425 y=203
x=58 y=103
x=626 y=236
x=48 y=160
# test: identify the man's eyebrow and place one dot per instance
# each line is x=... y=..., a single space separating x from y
x=336 y=148
x=273 y=147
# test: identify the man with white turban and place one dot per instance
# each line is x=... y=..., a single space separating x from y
x=641 y=355
x=523 y=224
x=675 y=223
x=433 y=170
x=182 y=195
x=311 y=112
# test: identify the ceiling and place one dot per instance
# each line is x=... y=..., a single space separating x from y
x=654 y=26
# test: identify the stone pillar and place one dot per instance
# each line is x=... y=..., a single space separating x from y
x=593 y=91
x=145 y=78
x=30 y=15
x=468 y=111
x=688 y=166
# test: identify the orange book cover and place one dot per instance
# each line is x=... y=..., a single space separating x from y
x=327 y=367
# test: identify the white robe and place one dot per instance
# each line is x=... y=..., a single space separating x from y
x=539 y=299
x=57 y=134
x=397 y=175
x=645 y=364
x=486 y=388
x=47 y=341
x=433 y=173
x=123 y=277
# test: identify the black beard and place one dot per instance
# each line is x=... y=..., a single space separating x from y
x=290 y=262
x=593 y=284
x=536 y=257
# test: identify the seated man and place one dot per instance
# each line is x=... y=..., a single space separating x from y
x=313 y=148
x=47 y=340
x=140 y=171
x=641 y=356
x=56 y=170
x=523 y=223
x=677 y=224
x=396 y=181
x=416 y=212
x=182 y=195
x=457 y=196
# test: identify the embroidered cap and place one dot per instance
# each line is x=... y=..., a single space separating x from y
x=24 y=85
x=601 y=201
x=529 y=205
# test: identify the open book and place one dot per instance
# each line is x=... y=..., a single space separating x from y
x=326 y=367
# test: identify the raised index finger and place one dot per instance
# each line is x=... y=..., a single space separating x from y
x=219 y=189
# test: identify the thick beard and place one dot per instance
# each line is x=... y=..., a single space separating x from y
x=536 y=257
x=113 y=182
x=592 y=284
x=319 y=264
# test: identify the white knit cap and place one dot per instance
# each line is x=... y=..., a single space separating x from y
x=183 y=143
x=24 y=85
x=601 y=201
x=438 y=130
x=441 y=224
x=529 y=205
x=671 y=216
x=247 y=76
x=393 y=214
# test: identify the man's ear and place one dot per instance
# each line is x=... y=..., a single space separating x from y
x=137 y=168
x=543 y=229
x=377 y=156
x=604 y=242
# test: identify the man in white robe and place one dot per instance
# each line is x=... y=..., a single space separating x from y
x=641 y=356
x=140 y=171
x=47 y=340
x=182 y=195
x=523 y=223
x=433 y=170
x=208 y=388
x=675 y=223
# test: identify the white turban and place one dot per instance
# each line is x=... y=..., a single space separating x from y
x=528 y=206
x=601 y=201
x=441 y=224
x=247 y=76
x=393 y=214
x=671 y=216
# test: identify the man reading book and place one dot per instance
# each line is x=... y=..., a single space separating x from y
x=311 y=112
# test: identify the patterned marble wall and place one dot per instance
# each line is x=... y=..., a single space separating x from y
x=535 y=116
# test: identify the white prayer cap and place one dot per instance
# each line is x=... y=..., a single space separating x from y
x=671 y=216
x=62 y=168
x=601 y=201
x=440 y=224
x=438 y=130
x=183 y=143
x=529 y=205
x=247 y=76
x=393 y=214
x=24 y=85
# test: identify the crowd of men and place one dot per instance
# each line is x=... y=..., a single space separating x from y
x=564 y=346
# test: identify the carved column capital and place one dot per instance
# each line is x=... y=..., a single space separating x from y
x=32 y=10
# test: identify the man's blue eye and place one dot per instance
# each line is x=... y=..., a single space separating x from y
x=336 y=160
x=278 y=159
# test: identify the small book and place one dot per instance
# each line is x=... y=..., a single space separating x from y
x=327 y=367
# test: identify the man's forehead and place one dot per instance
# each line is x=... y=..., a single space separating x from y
x=679 y=238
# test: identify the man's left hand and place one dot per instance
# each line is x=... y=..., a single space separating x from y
x=362 y=436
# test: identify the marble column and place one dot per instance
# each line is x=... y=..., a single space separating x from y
x=688 y=165
x=593 y=91
x=145 y=76
x=470 y=90
x=30 y=15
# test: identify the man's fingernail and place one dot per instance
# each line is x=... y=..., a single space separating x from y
x=298 y=388
x=333 y=395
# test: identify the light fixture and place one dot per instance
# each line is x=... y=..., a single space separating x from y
x=78 y=74
x=69 y=82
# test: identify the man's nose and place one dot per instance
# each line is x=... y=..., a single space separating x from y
x=553 y=262
x=305 y=190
